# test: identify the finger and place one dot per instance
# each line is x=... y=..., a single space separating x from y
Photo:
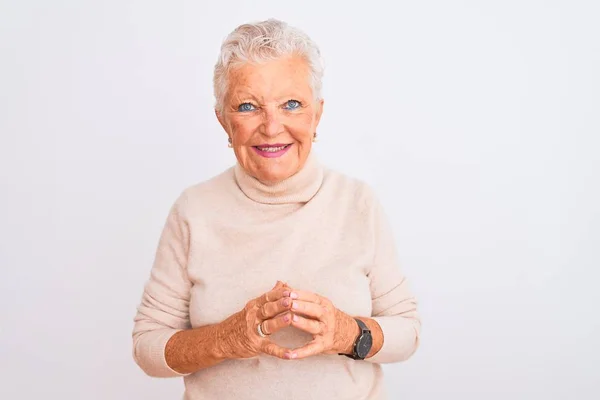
x=272 y=295
x=273 y=325
x=308 y=309
x=282 y=284
x=273 y=350
x=307 y=325
x=311 y=349
x=273 y=308
x=304 y=295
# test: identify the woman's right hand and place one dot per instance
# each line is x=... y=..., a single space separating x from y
x=240 y=334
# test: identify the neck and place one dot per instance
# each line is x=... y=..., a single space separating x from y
x=298 y=188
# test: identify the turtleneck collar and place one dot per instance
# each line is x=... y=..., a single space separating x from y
x=298 y=188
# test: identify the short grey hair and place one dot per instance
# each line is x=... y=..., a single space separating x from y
x=262 y=41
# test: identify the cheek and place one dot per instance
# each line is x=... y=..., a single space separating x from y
x=243 y=130
x=302 y=129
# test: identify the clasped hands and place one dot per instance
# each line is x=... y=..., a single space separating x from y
x=281 y=307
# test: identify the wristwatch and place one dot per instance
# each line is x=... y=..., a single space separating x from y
x=362 y=344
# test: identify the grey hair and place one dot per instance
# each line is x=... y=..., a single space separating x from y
x=262 y=41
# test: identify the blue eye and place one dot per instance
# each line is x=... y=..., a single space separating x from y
x=245 y=107
x=292 y=104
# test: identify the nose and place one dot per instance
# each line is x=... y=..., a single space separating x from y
x=272 y=125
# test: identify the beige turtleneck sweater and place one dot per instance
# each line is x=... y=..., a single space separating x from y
x=227 y=240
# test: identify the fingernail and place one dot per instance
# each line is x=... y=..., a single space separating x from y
x=294 y=355
x=286 y=317
x=295 y=306
x=285 y=302
x=286 y=293
x=295 y=318
x=294 y=295
x=288 y=355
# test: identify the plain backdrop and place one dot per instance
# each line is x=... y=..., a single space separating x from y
x=477 y=122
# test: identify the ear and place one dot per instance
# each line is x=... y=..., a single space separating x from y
x=319 y=112
x=222 y=121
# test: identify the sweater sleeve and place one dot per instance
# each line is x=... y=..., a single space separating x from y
x=393 y=305
x=164 y=307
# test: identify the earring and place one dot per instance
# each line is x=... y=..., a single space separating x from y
x=230 y=143
x=315 y=137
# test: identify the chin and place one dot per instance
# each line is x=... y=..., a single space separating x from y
x=272 y=178
x=274 y=174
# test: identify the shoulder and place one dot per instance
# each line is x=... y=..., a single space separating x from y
x=207 y=193
x=348 y=189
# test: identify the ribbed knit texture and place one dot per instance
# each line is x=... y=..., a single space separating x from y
x=229 y=239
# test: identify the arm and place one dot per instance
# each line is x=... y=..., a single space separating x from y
x=394 y=308
x=164 y=345
x=394 y=322
x=348 y=331
x=194 y=349
x=163 y=311
x=236 y=337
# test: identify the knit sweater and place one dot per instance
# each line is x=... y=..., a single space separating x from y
x=229 y=239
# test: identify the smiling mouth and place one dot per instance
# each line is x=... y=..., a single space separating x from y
x=272 y=149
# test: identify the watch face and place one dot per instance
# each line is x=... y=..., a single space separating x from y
x=364 y=346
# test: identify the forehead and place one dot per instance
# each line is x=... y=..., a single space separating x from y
x=271 y=78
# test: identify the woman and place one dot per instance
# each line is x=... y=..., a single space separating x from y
x=268 y=274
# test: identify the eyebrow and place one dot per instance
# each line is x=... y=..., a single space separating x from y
x=246 y=96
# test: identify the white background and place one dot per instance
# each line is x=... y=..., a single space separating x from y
x=477 y=122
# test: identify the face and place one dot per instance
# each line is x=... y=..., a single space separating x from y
x=271 y=116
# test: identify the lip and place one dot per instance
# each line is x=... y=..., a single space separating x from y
x=272 y=144
x=277 y=154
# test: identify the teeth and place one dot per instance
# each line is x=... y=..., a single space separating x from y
x=272 y=149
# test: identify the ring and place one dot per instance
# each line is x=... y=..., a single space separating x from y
x=260 y=331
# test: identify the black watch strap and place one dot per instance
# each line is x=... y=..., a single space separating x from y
x=364 y=330
x=363 y=327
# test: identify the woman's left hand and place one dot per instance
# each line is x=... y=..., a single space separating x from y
x=333 y=330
